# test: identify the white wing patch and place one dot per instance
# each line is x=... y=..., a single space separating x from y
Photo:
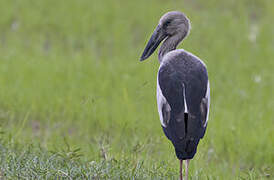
x=186 y=110
x=208 y=102
x=161 y=100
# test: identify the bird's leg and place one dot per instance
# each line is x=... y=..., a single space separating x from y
x=181 y=169
x=186 y=168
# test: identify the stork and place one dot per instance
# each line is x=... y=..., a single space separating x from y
x=183 y=92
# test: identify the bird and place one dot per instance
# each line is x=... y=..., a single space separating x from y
x=183 y=91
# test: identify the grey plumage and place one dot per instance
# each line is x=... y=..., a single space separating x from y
x=183 y=93
x=183 y=81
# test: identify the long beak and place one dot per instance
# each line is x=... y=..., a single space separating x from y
x=157 y=37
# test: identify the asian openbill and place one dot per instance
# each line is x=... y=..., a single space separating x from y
x=183 y=92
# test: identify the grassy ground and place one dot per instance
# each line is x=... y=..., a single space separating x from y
x=75 y=102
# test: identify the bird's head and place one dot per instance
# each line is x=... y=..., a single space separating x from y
x=171 y=24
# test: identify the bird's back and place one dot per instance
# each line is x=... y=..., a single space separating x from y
x=183 y=83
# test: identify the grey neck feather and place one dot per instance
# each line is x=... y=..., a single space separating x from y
x=171 y=43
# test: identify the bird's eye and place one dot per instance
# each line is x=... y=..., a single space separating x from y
x=167 y=23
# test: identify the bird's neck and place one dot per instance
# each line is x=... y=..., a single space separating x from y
x=169 y=44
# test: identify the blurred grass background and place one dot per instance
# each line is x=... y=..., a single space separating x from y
x=70 y=74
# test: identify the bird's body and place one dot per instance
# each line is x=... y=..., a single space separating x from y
x=183 y=92
x=183 y=83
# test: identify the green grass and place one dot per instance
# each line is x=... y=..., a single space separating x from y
x=75 y=102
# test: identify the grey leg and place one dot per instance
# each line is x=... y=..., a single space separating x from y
x=181 y=169
x=186 y=168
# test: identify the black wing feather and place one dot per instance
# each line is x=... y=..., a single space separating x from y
x=179 y=77
x=172 y=90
